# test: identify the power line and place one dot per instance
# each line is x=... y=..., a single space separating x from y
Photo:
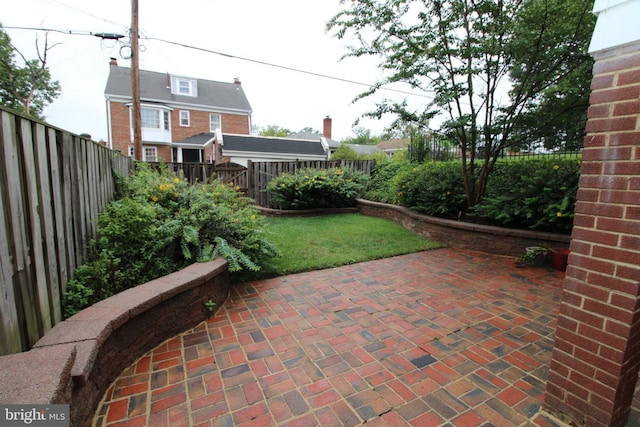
x=115 y=36
x=105 y=36
x=283 y=67
x=70 y=32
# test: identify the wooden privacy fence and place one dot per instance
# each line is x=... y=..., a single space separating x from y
x=261 y=173
x=254 y=179
x=201 y=172
x=53 y=185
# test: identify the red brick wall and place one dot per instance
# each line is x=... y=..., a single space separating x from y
x=231 y=123
x=120 y=127
x=199 y=122
x=164 y=153
x=595 y=361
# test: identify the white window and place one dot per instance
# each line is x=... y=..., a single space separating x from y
x=184 y=87
x=215 y=122
x=150 y=118
x=184 y=118
x=156 y=123
x=150 y=154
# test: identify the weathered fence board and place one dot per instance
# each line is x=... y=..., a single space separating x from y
x=17 y=238
x=29 y=140
x=53 y=185
x=60 y=248
x=66 y=157
x=9 y=327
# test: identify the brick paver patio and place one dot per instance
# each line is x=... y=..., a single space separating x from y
x=443 y=337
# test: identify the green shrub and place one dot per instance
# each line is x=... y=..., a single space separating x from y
x=535 y=193
x=161 y=225
x=525 y=193
x=317 y=188
x=380 y=187
x=434 y=188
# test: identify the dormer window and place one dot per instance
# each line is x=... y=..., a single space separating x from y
x=184 y=86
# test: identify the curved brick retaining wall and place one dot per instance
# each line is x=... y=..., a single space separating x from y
x=458 y=234
x=77 y=360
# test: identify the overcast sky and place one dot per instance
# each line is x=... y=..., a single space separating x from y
x=289 y=33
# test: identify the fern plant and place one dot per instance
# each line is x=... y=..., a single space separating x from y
x=161 y=225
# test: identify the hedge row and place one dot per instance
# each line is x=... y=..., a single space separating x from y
x=536 y=194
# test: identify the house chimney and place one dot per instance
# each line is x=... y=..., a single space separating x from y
x=326 y=127
x=113 y=61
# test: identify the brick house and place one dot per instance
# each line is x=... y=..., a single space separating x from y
x=180 y=115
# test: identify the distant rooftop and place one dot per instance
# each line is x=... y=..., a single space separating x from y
x=265 y=144
x=154 y=87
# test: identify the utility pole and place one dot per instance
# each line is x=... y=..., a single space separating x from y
x=135 y=83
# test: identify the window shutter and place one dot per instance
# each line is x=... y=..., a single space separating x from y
x=194 y=88
x=174 y=84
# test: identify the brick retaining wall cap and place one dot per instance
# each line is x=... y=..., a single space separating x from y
x=468 y=226
x=22 y=381
x=65 y=356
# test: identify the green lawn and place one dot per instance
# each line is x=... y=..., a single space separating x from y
x=312 y=243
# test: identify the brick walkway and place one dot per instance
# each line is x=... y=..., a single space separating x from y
x=442 y=337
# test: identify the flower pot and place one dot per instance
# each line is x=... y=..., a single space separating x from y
x=559 y=259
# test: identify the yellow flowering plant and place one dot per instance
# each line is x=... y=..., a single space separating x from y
x=162 y=224
x=533 y=193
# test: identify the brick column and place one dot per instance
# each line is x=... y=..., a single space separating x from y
x=595 y=361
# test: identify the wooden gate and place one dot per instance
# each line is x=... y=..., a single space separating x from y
x=235 y=175
x=227 y=173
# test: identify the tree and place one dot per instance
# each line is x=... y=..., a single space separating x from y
x=310 y=130
x=29 y=87
x=363 y=137
x=274 y=130
x=484 y=63
x=344 y=152
x=556 y=117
